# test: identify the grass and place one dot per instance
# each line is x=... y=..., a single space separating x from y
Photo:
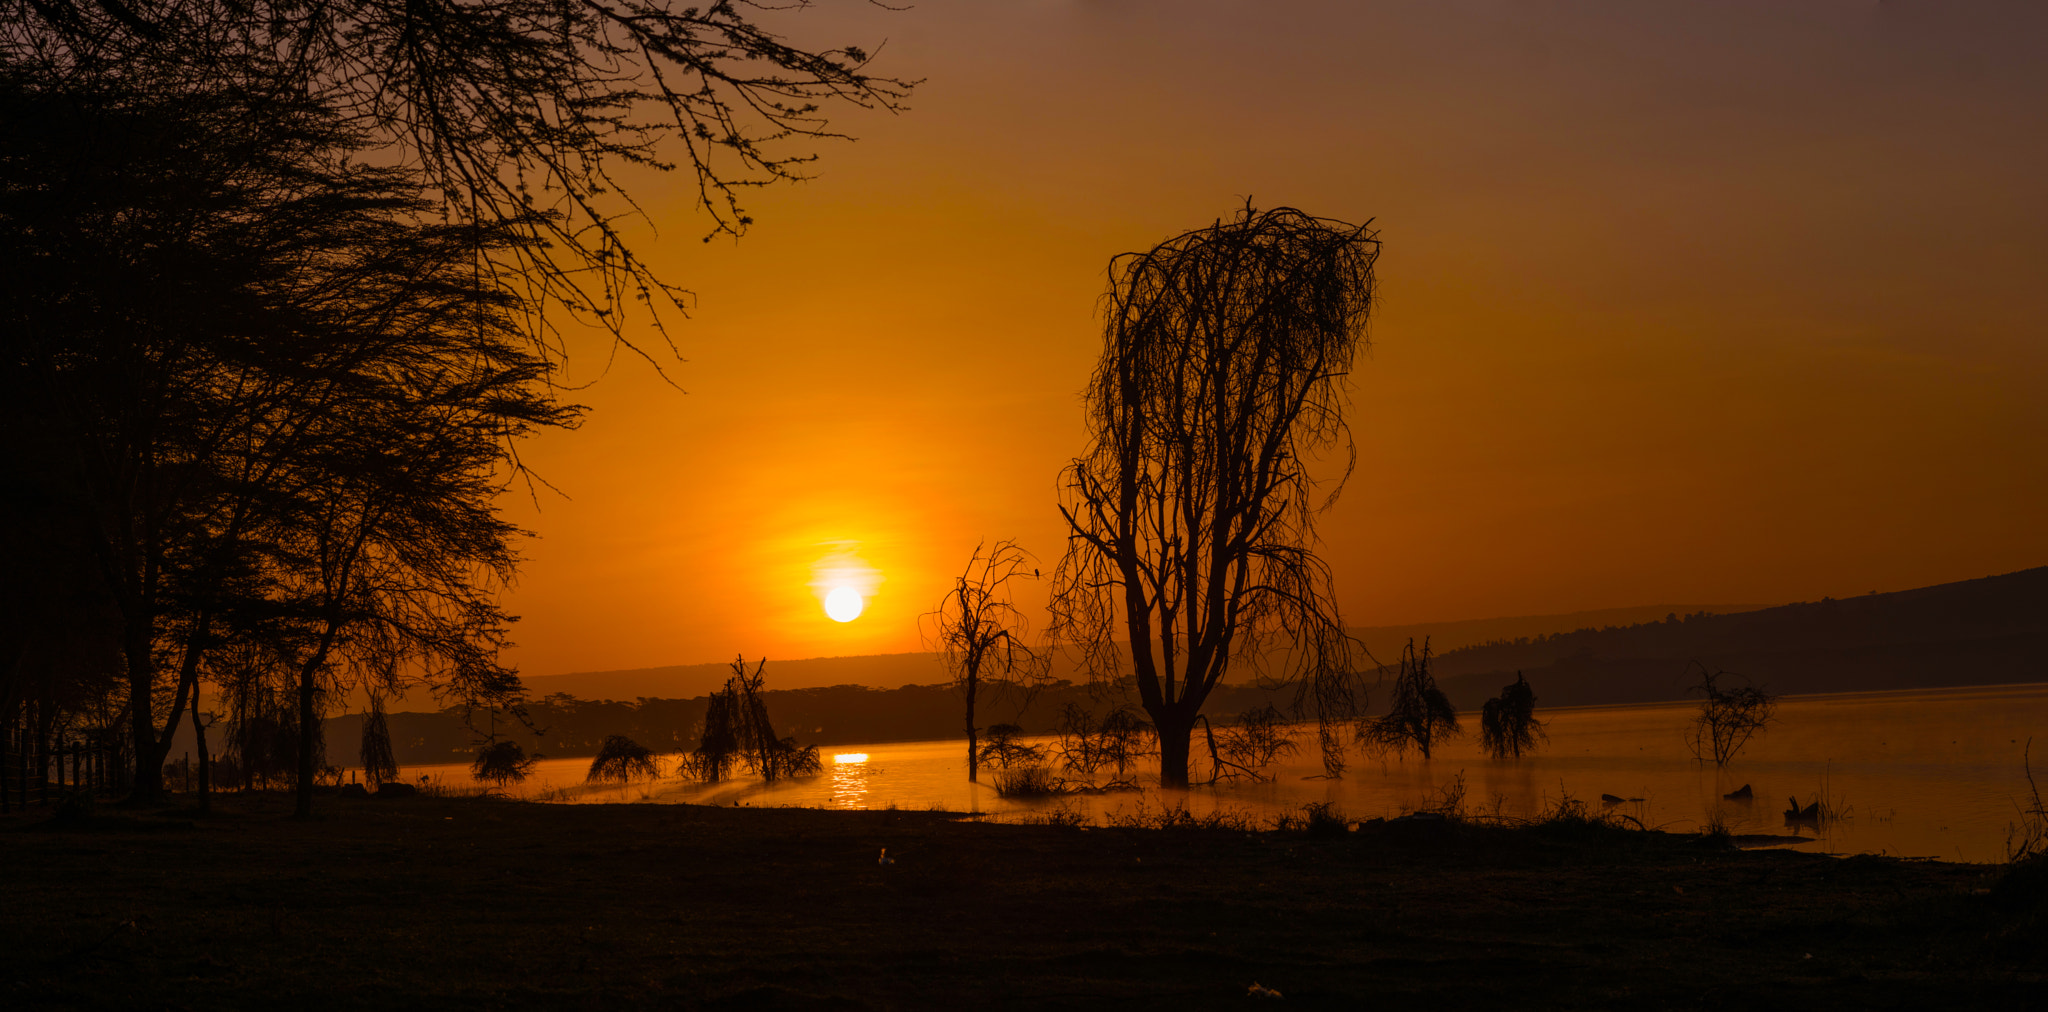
x=488 y=904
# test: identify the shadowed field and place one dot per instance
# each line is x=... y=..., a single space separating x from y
x=429 y=903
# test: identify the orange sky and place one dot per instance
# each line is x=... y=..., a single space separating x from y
x=1680 y=302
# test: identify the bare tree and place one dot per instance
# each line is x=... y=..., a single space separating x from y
x=1419 y=713
x=1192 y=513
x=979 y=633
x=1256 y=740
x=1728 y=718
x=1508 y=724
x=737 y=730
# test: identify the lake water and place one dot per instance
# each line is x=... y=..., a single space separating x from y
x=1923 y=773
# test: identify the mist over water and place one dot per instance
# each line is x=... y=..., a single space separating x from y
x=1922 y=773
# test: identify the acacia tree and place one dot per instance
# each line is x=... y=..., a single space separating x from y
x=508 y=107
x=979 y=633
x=1419 y=713
x=1191 y=516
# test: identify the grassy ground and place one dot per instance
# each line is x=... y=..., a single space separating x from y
x=430 y=903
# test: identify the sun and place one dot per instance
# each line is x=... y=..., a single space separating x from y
x=844 y=604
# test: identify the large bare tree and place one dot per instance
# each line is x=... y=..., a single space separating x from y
x=1192 y=513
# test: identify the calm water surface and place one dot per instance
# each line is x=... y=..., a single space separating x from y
x=1924 y=773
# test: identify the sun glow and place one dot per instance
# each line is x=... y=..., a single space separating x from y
x=850 y=757
x=844 y=604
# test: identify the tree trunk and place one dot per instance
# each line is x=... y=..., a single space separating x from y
x=148 y=783
x=303 y=806
x=972 y=765
x=1175 y=730
x=205 y=765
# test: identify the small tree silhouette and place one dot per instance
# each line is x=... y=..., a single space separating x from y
x=502 y=762
x=1508 y=724
x=621 y=760
x=1002 y=749
x=1115 y=742
x=1419 y=714
x=737 y=730
x=1728 y=718
x=380 y=766
x=1256 y=741
x=980 y=633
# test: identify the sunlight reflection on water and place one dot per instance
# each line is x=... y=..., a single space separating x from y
x=1920 y=773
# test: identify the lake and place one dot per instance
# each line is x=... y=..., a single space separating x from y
x=1919 y=773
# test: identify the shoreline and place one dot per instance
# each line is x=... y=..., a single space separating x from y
x=460 y=903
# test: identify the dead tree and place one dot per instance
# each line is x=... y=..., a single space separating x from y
x=1191 y=516
x=1728 y=718
x=1245 y=748
x=737 y=731
x=1507 y=724
x=1419 y=714
x=979 y=633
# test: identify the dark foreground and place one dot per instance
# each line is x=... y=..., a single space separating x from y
x=426 y=903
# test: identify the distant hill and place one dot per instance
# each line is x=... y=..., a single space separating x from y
x=1987 y=631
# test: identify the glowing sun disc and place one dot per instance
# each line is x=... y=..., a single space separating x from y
x=850 y=757
x=843 y=604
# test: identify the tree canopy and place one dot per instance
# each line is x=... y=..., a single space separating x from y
x=1192 y=513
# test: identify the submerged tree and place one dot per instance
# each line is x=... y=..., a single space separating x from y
x=1419 y=713
x=979 y=633
x=1192 y=514
x=1004 y=748
x=621 y=760
x=1113 y=742
x=1728 y=718
x=380 y=766
x=1507 y=725
x=1246 y=747
x=737 y=730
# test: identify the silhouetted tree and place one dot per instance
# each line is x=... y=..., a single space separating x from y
x=1508 y=724
x=507 y=107
x=621 y=760
x=502 y=762
x=272 y=399
x=737 y=730
x=1255 y=741
x=380 y=766
x=979 y=632
x=1192 y=514
x=1418 y=714
x=1114 y=742
x=1004 y=748
x=1728 y=718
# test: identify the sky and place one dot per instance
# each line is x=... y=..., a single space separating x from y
x=1684 y=302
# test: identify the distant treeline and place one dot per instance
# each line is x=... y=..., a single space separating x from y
x=1978 y=632
x=838 y=715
